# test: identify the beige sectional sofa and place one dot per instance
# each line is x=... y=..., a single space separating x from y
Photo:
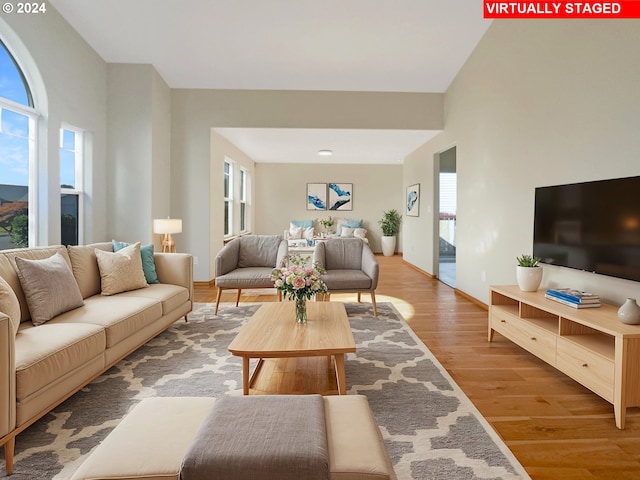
x=41 y=366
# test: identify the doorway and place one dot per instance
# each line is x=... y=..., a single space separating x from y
x=447 y=201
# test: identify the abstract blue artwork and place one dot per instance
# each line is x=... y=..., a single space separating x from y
x=340 y=196
x=413 y=200
x=316 y=196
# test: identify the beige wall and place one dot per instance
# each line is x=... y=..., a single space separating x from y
x=281 y=191
x=195 y=112
x=537 y=103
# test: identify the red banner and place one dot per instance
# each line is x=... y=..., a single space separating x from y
x=561 y=9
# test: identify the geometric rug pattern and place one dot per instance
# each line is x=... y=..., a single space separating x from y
x=431 y=429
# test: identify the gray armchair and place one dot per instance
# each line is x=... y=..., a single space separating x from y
x=350 y=265
x=247 y=262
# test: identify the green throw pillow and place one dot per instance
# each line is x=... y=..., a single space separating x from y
x=148 y=265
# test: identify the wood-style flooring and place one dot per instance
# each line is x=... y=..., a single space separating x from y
x=555 y=427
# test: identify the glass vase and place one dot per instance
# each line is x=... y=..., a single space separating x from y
x=301 y=310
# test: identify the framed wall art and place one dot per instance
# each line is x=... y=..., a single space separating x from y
x=340 y=196
x=413 y=200
x=316 y=196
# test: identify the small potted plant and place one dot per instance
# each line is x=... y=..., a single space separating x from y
x=528 y=273
x=327 y=223
x=390 y=224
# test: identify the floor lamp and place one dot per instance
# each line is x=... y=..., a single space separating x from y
x=167 y=226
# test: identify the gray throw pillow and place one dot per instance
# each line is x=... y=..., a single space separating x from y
x=49 y=287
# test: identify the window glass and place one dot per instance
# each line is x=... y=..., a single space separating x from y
x=70 y=187
x=12 y=83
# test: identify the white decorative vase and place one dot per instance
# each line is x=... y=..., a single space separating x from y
x=528 y=278
x=388 y=245
x=629 y=312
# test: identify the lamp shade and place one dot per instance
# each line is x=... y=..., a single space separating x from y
x=167 y=225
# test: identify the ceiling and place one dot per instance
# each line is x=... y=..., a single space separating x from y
x=346 y=45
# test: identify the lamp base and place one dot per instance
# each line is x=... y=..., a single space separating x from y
x=168 y=245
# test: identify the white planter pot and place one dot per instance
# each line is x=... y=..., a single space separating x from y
x=529 y=278
x=388 y=245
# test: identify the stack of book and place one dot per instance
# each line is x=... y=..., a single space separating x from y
x=573 y=298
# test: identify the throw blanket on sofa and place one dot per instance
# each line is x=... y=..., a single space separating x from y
x=275 y=437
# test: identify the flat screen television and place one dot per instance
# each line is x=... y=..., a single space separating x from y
x=591 y=226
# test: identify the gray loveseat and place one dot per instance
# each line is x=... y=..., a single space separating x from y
x=41 y=366
x=247 y=262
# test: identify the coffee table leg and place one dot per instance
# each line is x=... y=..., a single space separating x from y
x=245 y=375
x=340 y=375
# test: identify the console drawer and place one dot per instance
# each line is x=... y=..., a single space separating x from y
x=536 y=340
x=586 y=367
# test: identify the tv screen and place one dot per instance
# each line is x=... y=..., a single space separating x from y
x=591 y=226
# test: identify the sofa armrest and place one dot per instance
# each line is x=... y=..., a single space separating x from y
x=175 y=269
x=370 y=265
x=7 y=376
x=227 y=258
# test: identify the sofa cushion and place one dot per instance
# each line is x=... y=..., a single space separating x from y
x=49 y=287
x=47 y=352
x=120 y=316
x=346 y=280
x=256 y=277
x=85 y=266
x=9 y=304
x=258 y=251
x=146 y=255
x=121 y=271
x=170 y=296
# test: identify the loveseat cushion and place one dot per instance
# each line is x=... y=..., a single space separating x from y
x=84 y=265
x=49 y=287
x=47 y=352
x=120 y=316
x=346 y=280
x=254 y=277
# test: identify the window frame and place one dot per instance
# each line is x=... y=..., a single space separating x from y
x=78 y=190
x=228 y=196
x=244 y=202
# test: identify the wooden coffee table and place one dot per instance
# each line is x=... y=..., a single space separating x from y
x=272 y=332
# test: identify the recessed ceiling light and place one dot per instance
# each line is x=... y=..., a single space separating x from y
x=325 y=153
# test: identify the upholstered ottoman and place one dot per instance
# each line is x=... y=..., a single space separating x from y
x=152 y=440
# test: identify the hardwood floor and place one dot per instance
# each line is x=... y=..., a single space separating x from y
x=555 y=427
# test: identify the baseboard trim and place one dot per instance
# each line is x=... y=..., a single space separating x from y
x=473 y=300
x=209 y=284
x=411 y=265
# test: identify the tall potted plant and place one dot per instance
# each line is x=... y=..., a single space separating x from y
x=528 y=273
x=390 y=224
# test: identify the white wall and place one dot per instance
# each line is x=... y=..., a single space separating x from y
x=74 y=92
x=537 y=103
x=282 y=191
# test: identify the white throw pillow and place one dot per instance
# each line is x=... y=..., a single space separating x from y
x=360 y=233
x=121 y=271
x=308 y=233
x=295 y=232
x=347 y=232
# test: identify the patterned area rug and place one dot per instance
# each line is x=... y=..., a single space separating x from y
x=431 y=429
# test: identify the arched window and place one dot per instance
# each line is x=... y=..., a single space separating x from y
x=17 y=154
